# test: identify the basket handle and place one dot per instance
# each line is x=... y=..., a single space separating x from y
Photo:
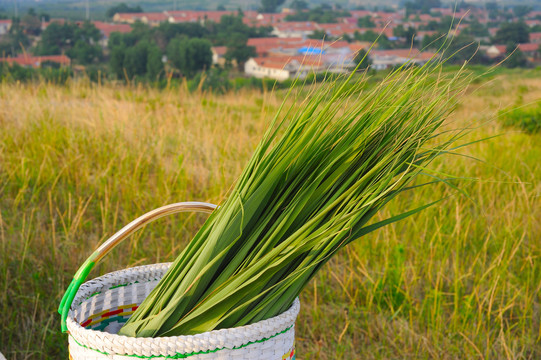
x=81 y=274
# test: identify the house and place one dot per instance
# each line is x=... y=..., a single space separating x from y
x=424 y=18
x=385 y=59
x=336 y=56
x=269 y=67
x=256 y=19
x=359 y=45
x=5 y=25
x=535 y=37
x=295 y=29
x=182 y=16
x=196 y=16
x=309 y=47
x=492 y=31
x=532 y=23
x=152 y=19
x=339 y=29
x=264 y=46
x=107 y=29
x=28 y=61
x=495 y=51
x=218 y=55
x=531 y=50
x=283 y=67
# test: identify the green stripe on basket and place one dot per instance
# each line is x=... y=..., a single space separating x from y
x=185 y=355
x=104 y=323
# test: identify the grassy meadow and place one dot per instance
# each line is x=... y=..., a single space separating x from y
x=461 y=280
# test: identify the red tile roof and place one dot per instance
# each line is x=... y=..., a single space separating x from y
x=106 y=29
x=264 y=45
x=339 y=29
x=421 y=17
x=297 y=26
x=534 y=13
x=530 y=47
x=155 y=17
x=535 y=37
x=193 y=16
x=220 y=50
x=279 y=62
x=274 y=41
x=265 y=17
x=357 y=46
x=502 y=49
x=36 y=61
x=533 y=22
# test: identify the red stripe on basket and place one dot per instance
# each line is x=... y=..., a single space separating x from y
x=108 y=314
x=111 y=313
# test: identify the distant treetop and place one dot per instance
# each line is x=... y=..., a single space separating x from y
x=122 y=8
x=271 y=6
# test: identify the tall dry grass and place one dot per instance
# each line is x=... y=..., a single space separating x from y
x=460 y=280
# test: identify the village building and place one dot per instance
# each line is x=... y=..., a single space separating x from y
x=218 y=55
x=35 y=62
x=531 y=50
x=295 y=29
x=333 y=56
x=338 y=30
x=283 y=67
x=535 y=37
x=494 y=51
x=196 y=16
x=265 y=46
x=153 y=19
x=256 y=19
x=251 y=18
x=5 y=26
x=107 y=29
x=532 y=23
x=385 y=59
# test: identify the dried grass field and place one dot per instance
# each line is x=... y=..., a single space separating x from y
x=461 y=280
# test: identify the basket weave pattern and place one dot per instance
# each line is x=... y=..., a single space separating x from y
x=103 y=305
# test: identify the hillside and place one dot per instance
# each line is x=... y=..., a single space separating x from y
x=460 y=280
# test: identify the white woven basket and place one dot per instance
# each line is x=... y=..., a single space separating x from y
x=103 y=305
x=93 y=312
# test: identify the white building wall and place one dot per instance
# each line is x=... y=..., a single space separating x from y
x=4 y=28
x=252 y=68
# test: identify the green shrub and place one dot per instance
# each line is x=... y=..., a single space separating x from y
x=527 y=119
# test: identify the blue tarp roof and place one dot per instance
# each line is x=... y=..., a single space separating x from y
x=307 y=50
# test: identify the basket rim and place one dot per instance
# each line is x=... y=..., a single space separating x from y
x=215 y=340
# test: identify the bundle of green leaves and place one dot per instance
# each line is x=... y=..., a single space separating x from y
x=325 y=166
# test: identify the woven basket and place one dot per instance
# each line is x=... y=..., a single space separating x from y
x=94 y=311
